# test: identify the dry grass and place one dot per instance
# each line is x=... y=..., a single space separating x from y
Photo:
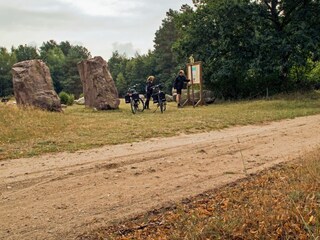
x=279 y=203
x=30 y=132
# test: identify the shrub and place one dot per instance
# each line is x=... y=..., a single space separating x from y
x=66 y=98
x=70 y=100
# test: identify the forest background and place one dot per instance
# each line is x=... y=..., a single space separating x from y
x=248 y=49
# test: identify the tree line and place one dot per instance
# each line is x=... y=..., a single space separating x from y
x=247 y=47
x=61 y=58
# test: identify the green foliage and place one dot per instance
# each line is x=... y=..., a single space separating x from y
x=62 y=60
x=46 y=47
x=290 y=29
x=305 y=77
x=127 y=72
x=65 y=47
x=255 y=47
x=165 y=60
x=117 y=65
x=25 y=52
x=72 y=82
x=70 y=100
x=161 y=63
x=66 y=98
x=55 y=60
x=121 y=84
x=314 y=74
x=6 y=62
x=247 y=47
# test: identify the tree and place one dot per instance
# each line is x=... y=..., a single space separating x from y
x=255 y=47
x=65 y=47
x=128 y=72
x=62 y=61
x=46 y=47
x=24 y=52
x=71 y=82
x=7 y=60
x=291 y=30
x=117 y=65
x=55 y=60
x=225 y=45
x=165 y=60
x=121 y=84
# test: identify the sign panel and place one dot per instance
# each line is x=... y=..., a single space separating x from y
x=194 y=69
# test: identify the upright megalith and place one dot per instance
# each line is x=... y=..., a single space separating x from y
x=32 y=85
x=99 y=89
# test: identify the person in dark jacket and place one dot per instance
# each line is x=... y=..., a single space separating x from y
x=149 y=90
x=178 y=85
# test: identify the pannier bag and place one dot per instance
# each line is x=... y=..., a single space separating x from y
x=155 y=98
x=135 y=96
x=127 y=98
x=162 y=96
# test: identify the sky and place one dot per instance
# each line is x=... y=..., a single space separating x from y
x=102 y=26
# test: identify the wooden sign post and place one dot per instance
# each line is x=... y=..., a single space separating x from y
x=194 y=73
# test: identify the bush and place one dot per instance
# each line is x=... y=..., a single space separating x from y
x=70 y=100
x=66 y=98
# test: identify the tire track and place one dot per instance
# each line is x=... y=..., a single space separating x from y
x=65 y=194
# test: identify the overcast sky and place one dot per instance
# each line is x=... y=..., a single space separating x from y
x=102 y=26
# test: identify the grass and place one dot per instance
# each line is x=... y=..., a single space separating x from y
x=30 y=132
x=279 y=203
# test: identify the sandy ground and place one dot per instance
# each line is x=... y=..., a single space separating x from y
x=63 y=195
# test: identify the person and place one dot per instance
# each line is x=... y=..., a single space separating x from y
x=149 y=90
x=178 y=85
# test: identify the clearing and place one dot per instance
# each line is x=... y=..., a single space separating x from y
x=60 y=196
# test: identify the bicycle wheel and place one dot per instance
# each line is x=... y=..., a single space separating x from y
x=139 y=105
x=133 y=107
x=161 y=105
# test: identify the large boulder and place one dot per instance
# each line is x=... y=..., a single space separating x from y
x=32 y=85
x=99 y=89
x=184 y=95
x=209 y=96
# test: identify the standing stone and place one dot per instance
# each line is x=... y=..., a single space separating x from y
x=32 y=85
x=99 y=89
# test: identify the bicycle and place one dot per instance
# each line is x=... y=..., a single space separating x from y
x=132 y=97
x=159 y=97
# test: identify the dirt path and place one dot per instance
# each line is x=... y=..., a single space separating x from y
x=60 y=196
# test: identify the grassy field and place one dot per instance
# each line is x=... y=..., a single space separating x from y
x=30 y=132
x=279 y=203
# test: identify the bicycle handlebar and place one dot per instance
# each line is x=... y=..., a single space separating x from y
x=157 y=86
x=133 y=88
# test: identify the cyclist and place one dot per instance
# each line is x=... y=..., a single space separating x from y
x=178 y=85
x=149 y=90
